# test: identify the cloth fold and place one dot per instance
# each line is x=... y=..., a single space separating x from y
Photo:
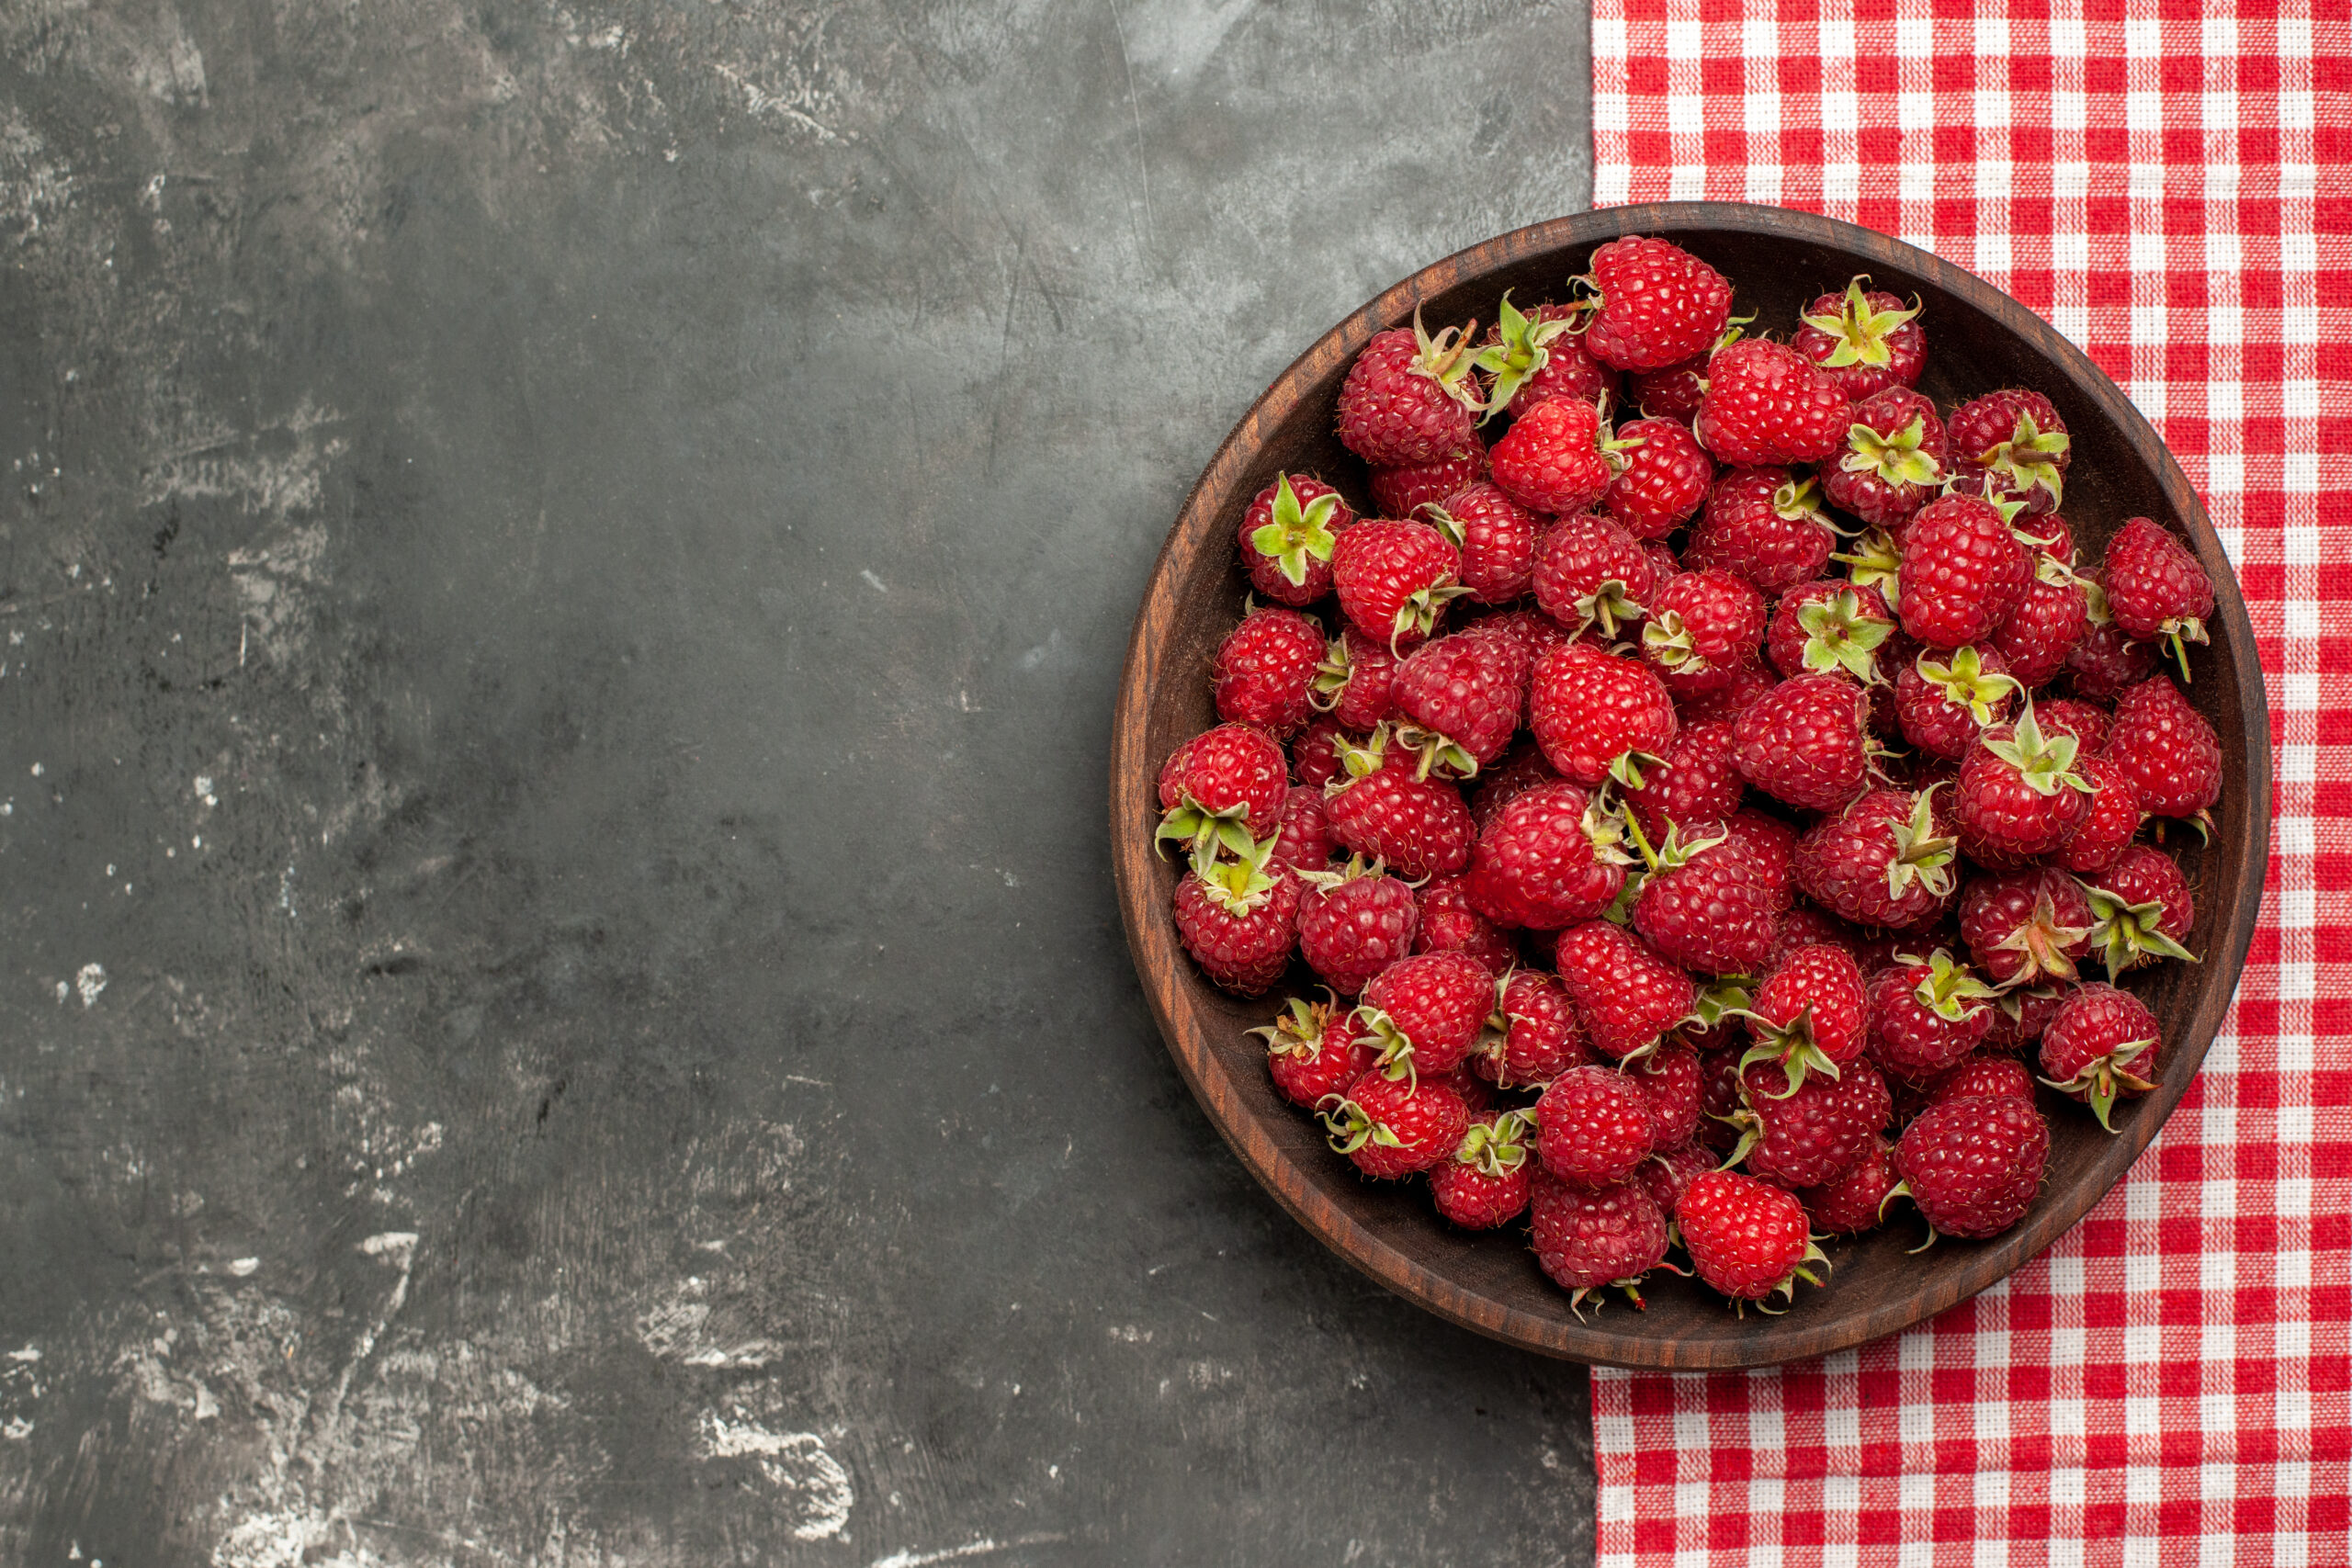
x=2171 y=185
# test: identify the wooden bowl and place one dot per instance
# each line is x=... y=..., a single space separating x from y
x=1979 y=340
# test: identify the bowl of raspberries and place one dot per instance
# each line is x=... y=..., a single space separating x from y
x=1690 y=786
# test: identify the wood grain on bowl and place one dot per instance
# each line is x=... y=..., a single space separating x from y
x=1979 y=340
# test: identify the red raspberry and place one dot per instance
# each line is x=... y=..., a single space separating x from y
x=1535 y=866
x=1535 y=357
x=1352 y=923
x=1395 y=580
x=1485 y=1186
x=1394 y=1127
x=1943 y=704
x=2144 y=910
x=1265 y=671
x=1766 y=526
x=1551 y=459
x=2025 y=924
x=2168 y=748
x=1695 y=780
x=1315 y=754
x=1626 y=995
x=2102 y=1047
x=2155 y=588
x=1665 y=478
x=1881 y=862
x=1747 y=1238
x=1239 y=919
x=1423 y=1013
x=1803 y=741
x=2086 y=722
x=1286 y=538
x=1538 y=1038
x=1811 y=1014
x=1982 y=1075
x=2113 y=817
x=1748 y=683
x=2018 y=793
x=1517 y=774
x=1850 y=1205
x=1450 y=925
x=1659 y=304
x=1666 y=1174
x=1381 y=807
x=1311 y=1051
x=2020 y=1015
x=1402 y=489
x=1771 y=846
x=1677 y=1086
x=1866 y=343
x=1963 y=572
x=1224 y=787
x=1461 y=698
x=1497 y=537
x=1705 y=904
x=2053 y=617
x=1973 y=1166
x=1599 y=716
x=1804 y=925
x=1535 y=632
x=1828 y=625
x=1410 y=398
x=1704 y=627
x=1595 y=1126
x=1589 y=571
x=1768 y=403
x=1672 y=393
x=1926 y=1017
x=1305 y=841
x=1356 y=680
x=1585 y=1239
x=2009 y=446
x=2107 y=662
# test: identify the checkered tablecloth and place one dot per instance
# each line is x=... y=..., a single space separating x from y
x=2171 y=185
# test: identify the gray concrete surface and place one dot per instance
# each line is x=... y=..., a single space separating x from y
x=562 y=573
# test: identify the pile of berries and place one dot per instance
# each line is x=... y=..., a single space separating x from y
x=1708 y=807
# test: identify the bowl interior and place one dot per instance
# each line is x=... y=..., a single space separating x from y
x=1979 y=340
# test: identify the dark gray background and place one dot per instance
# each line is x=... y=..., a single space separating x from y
x=563 y=572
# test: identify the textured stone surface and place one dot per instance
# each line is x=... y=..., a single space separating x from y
x=563 y=572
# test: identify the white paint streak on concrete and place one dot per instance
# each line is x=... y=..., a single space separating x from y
x=983 y=1547
x=809 y=1480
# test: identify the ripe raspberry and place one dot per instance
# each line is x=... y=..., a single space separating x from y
x=1497 y=538
x=1672 y=393
x=1766 y=526
x=2053 y=617
x=1410 y=398
x=1665 y=479
x=1423 y=1013
x=1354 y=922
x=1356 y=682
x=1747 y=1238
x=2009 y=446
x=1223 y=787
x=1866 y=343
x=1974 y=1165
x=2025 y=924
x=1676 y=1087
x=1305 y=841
x=2144 y=911
x=1982 y=1075
x=2101 y=1048
x=1553 y=459
x=1599 y=716
x=1881 y=862
x=2113 y=817
x=1590 y=573
x=1596 y=1126
x=2018 y=794
x=1311 y=1051
x=1943 y=704
x=1768 y=403
x=2155 y=588
x=1626 y=995
x=1705 y=904
x=1850 y=1205
x=1286 y=538
x=1450 y=925
x=1265 y=671
x=2020 y=1015
x=1534 y=1036
x=1380 y=807
x=2168 y=748
x=1535 y=632
x=1533 y=357
x=1315 y=754
x=1586 y=1240
x=1828 y=625
x=2086 y=722
x=1963 y=572
x=1395 y=580
x=2107 y=662
x=1401 y=490
x=1521 y=770
x=1239 y=919
x=1485 y=1184
x=1803 y=741
x=1748 y=684
x=1536 y=865
x=1804 y=926
x=1666 y=1174
x=1704 y=626
x=1771 y=846
x=1695 y=780
x=1926 y=1018
x=1460 y=697
x=1811 y=1014
x=1394 y=1127
x=1659 y=304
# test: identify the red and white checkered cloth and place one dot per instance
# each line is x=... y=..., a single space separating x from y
x=2171 y=185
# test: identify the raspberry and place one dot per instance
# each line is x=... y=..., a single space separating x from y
x=1596 y=1126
